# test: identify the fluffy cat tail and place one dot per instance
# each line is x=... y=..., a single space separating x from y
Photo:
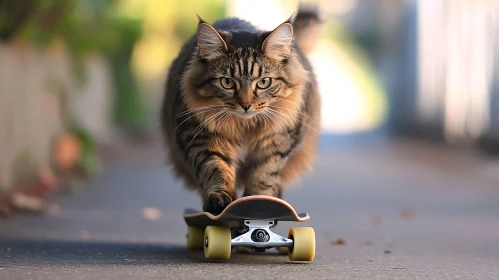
x=307 y=27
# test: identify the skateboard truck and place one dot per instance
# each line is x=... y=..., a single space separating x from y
x=260 y=236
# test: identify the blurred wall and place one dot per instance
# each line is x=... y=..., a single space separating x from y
x=93 y=101
x=38 y=94
x=456 y=53
x=30 y=109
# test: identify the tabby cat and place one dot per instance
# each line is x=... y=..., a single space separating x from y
x=241 y=108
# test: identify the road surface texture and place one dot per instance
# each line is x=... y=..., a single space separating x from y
x=381 y=209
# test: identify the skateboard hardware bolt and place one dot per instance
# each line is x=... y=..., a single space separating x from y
x=260 y=235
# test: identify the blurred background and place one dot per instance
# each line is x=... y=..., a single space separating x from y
x=81 y=81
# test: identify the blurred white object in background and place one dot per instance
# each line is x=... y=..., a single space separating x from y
x=458 y=51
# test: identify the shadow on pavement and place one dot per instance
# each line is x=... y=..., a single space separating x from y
x=41 y=252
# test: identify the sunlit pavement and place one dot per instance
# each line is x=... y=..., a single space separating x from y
x=403 y=210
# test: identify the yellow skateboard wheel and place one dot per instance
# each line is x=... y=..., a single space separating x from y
x=217 y=242
x=195 y=238
x=303 y=244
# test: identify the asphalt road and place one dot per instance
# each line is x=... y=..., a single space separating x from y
x=380 y=209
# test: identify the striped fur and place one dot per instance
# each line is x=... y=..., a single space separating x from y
x=214 y=145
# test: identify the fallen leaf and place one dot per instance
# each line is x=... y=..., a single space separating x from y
x=367 y=243
x=407 y=214
x=53 y=209
x=85 y=234
x=338 y=241
x=151 y=213
x=376 y=220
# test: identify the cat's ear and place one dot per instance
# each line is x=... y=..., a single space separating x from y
x=277 y=45
x=211 y=45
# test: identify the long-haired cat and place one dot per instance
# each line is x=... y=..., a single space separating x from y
x=241 y=108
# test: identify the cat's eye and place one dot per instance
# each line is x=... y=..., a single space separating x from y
x=264 y=83
x=227 y=83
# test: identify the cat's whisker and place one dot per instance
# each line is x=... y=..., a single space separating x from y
x=204 y=124
x=283 y=128
x=200 y=107
x=217 y=121
x=200 y=126
x=305 y=115
x=198 y=129
x=264 y=120
x=276 y=118
x=282 y=98
x=196 y=111
x=186 y=112
x=296 y=119
x=222 y=118
x=266 y=117
x=282 y=113
x=280 y=116
x=286 y=119
x=229 y=115
x=199 y=113
x=218 y=116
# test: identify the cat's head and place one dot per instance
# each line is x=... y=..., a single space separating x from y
x=244 y=73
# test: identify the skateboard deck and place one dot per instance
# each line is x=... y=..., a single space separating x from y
x=256 y=207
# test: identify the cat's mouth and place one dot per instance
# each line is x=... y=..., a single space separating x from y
x=246 y=114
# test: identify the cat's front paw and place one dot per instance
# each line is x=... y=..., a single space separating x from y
x=274 y=190
x=215 y=202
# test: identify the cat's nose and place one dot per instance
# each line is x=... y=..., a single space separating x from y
x=245 y=106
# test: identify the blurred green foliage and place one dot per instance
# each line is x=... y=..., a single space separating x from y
x=185 y=23
x=130 y=108
x=85 y=27
x=89 y=163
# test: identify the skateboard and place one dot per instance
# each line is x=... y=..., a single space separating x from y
x=246 y=224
